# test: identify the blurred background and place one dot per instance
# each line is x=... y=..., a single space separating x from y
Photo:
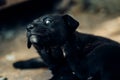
x=97 y=17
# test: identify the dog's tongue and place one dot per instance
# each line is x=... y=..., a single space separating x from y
x=33 y=39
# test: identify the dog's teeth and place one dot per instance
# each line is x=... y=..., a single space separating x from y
x=33 y=39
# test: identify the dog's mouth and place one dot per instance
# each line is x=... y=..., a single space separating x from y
x=33 y=39
x=38 y=38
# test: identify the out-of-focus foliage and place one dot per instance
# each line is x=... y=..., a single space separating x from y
x=108 y=6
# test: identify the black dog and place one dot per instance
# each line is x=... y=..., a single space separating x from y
x=42 y=34
x=86 y=57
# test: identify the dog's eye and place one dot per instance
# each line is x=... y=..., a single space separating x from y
x=48 y=21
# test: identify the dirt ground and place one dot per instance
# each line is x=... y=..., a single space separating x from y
x=15 y=50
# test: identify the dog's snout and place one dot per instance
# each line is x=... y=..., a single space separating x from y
x=30 y=27
x=42 y=30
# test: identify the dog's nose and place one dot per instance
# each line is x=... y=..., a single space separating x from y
x=30 y=27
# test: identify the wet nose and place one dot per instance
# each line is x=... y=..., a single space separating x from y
x=30 y=27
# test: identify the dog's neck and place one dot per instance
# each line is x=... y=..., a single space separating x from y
x=80 y=42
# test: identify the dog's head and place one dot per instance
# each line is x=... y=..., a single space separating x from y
x=50 y=30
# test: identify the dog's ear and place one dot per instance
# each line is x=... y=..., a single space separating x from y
x=71 y=23
x=29 y=43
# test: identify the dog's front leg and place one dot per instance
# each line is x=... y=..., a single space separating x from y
x=54 y=59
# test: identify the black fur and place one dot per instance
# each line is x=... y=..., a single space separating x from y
x=87 y=57
x=30 y=64
x=44 y=33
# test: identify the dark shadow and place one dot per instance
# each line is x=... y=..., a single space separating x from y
x=2 y=2
x=25 y=12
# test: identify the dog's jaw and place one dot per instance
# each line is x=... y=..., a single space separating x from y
x=33 y=39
